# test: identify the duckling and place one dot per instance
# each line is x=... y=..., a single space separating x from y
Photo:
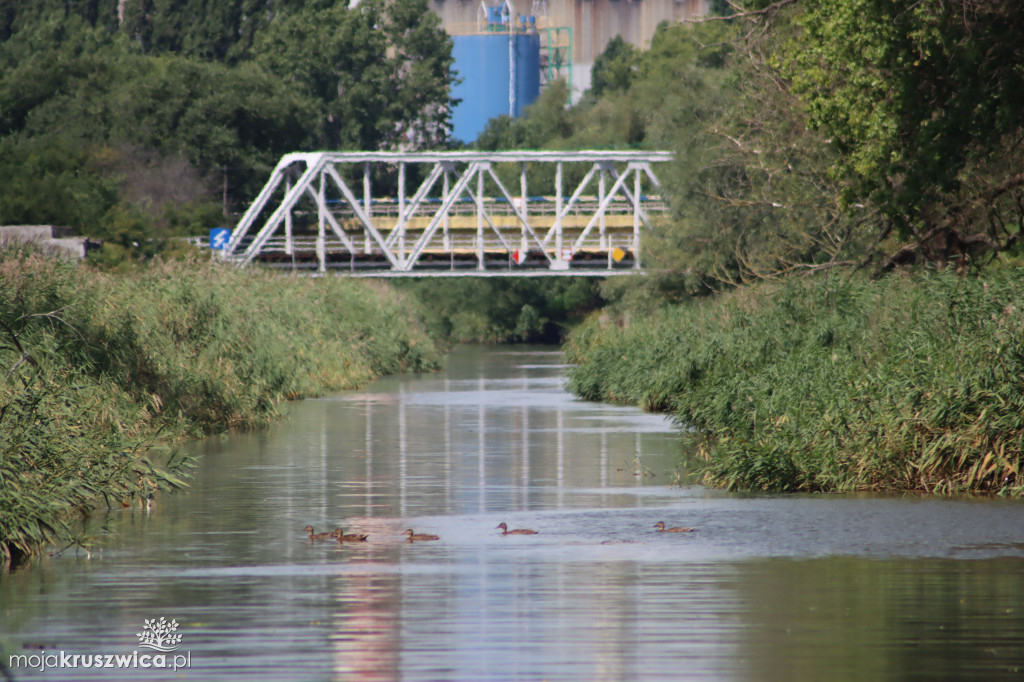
x=351 y=537
x=517 y=531
x=420 y=536
x=660 y=527
x=317 y=536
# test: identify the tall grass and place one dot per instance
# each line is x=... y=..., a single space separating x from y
x=97 y=368
x=915 y=382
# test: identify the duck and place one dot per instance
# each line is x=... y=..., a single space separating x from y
x=660 y=527
x=351 y=537
x=413 y=537
x=318 y=536
x=516 y=531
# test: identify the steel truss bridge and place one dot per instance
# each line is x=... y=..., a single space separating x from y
x=576 y=213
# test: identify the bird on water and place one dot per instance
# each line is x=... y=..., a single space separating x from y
x=350 y=537
x=317 y=536
x=516 y=531
x=416 y=537
x=660 y=527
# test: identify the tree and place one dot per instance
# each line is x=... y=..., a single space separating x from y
x=134 y=120
x=381 y=72
x=613 y=69
x=751 y=184
x=545 y=124
x=132 y=148
x=217 y=31
x=924 y=104
x=420 y=96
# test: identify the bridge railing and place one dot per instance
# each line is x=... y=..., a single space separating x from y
x=490 y=213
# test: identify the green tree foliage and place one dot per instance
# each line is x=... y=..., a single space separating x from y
x=116 y=143
x=613 y=68
x=751 y=186
x=137 y=120
x=504 y=310
x=811 y=135
x=924 y=104
x=218 y=31
x=17 y=15
x=547 y=124
x=639 y=100
x=379 y=72
x=45 y=184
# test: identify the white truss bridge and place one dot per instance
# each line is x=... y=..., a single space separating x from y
x=469 y=213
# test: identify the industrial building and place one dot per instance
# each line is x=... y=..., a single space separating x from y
x=506 y=50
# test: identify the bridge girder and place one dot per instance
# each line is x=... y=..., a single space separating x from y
x=471 y=224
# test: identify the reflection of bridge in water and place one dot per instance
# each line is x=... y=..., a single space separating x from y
x=471 y=213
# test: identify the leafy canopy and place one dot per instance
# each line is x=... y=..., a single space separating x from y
x=134 y=120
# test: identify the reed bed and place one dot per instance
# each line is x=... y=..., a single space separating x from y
x=911 y=383
x=100 y=371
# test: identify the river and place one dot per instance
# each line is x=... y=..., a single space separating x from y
x=768 y=587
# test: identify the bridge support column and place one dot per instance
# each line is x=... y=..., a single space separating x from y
x=480 y=218
x=400 y=226
x=636 y=218
x=321 y=236
x=601 y=192
x=445 y=222
x=289 y=247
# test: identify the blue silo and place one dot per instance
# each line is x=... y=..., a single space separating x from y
x=484 y=65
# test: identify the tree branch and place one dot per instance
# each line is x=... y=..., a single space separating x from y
x=1004 y=186
x=775 y=6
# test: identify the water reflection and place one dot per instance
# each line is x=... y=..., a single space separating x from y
x=770 y=587
x=481 y=443
x=931 y=620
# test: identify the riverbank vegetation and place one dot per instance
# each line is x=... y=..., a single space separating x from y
x=832 y=305
x=829 y=383
x=99 y=368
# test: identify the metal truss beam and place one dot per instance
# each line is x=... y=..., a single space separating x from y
x=462 y=218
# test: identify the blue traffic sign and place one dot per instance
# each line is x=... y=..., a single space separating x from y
x=219 y=238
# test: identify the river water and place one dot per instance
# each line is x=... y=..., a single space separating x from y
x=768 y=587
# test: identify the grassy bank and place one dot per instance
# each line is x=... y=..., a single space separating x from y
x=98 y=368
x=914 y=382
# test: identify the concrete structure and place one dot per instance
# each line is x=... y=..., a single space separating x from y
x=592 y=23
x=50 y=238
x=471 y=213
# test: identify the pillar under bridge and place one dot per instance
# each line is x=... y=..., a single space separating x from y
x=453 y=213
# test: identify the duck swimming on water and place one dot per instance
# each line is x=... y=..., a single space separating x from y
x=660 y=527
x=415 y=537
x=516 y=531
x=317 y=536
x=350 y=537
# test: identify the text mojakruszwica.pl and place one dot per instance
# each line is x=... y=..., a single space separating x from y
x=44 y=661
